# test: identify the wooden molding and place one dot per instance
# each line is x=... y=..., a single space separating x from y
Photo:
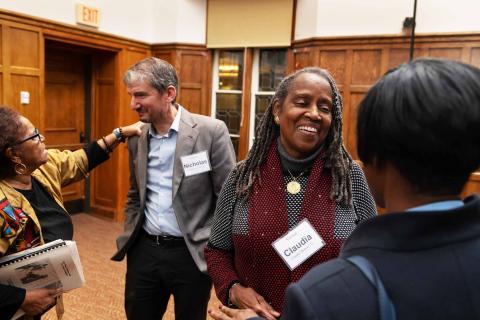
x=53 y=28
x=386 y=39
x=178 y=46
x=246 y=101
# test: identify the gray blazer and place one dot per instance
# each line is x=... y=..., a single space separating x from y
x=194 y=197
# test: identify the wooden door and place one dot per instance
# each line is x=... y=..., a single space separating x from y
x=65 y=109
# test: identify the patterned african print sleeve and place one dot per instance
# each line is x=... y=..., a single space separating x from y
x=219 y=252
x=363 y=202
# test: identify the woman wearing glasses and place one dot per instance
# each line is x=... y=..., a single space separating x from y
x=31 y=204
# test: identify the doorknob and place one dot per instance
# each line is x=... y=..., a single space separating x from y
x=82 y=137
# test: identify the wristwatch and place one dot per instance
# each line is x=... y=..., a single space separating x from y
x=119 y=134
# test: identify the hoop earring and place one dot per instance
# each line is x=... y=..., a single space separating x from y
x=20 y=171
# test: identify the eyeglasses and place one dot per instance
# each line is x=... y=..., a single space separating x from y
x=36 y=136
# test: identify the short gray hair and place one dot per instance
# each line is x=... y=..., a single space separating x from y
x=158 y=73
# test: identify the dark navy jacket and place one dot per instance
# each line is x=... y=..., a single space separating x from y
x=429 y=263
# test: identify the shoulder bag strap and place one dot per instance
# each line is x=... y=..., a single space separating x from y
x=386 y=307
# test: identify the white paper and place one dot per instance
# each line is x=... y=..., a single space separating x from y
x=47 y=266
x=195 y=163
x=298 y=244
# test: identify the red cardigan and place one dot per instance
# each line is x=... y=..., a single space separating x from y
x=253 y=262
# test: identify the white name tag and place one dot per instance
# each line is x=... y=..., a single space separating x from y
x=298 y=244
x=196 y=163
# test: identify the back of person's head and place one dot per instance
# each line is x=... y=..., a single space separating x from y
x=424 y=118
x=159 y=74
x=10 y=128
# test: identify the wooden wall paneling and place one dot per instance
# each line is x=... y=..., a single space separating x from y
x=207 y=108
x=104 y=193
x=334 y=62
x=366 y=60
x=345 y=112
x=302 y=58
x=126 y=58
x=85 y=38
x=338 y=63
x=397 y=56
x=193 y=65
x=191 y=97
x=193 y=78
x=22 y=57
x=466 y=53
x=22 y=67
x=165 y=55
x=2 y=28
x=31 y=84
x=345 y=92
x=366 y=66
x=448 y=53
x=351 y=138
x=290 y=61
x=475 y=57
x=246 y=101
x=26 y=50
x=65 y=105
x=129 y=57
x=384 y=61
x=65 y=101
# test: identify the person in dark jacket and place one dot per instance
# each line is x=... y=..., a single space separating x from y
x=418 y=137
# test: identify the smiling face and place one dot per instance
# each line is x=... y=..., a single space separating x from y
x=305 y=116
x=151 y=105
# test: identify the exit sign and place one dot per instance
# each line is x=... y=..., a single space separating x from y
x=88 y=15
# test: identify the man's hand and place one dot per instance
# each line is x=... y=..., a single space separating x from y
x=247 y=298
x=38 y=300
x=225 y=313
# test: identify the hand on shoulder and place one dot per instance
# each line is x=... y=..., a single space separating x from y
x=133 y=129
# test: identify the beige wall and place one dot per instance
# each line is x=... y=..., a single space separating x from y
x=184 y=21
x=332 y=18
x=151 y=21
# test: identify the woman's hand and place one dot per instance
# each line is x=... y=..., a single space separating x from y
x=132 y=130
x=225 y=313
x=38 y=300
x=247 y=298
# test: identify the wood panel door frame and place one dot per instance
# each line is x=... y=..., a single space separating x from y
x=68 y=85
x=93 y=199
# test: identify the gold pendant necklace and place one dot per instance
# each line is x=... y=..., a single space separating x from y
x=294 y=187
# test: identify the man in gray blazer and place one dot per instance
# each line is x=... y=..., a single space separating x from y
x=177 y=168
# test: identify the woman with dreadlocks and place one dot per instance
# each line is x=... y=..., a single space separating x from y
x=290 y=205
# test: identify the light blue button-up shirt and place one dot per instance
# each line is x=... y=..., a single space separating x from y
x=439 y=206
x=159 y=216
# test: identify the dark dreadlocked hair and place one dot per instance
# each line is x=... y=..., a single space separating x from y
x=248 y=171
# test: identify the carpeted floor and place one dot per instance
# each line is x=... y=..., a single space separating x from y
x=102 y=296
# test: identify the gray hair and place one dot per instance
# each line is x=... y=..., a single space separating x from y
x=158 y=73
x=338 y=158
